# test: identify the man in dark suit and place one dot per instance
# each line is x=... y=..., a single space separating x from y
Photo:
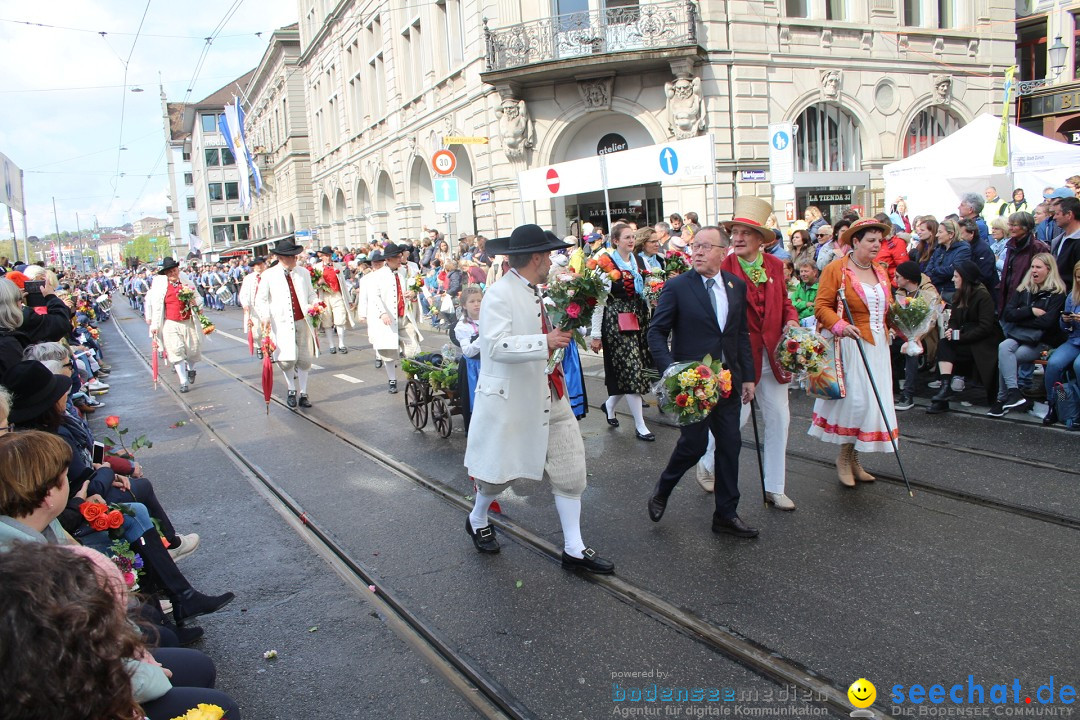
x=704 y=313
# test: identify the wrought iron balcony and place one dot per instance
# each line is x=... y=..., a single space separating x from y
x=649 y=26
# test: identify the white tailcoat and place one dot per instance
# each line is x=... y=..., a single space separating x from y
x=274 y=305
x=508 y=434
x=380 y=292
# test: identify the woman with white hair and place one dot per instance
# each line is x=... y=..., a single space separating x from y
x=20 y=308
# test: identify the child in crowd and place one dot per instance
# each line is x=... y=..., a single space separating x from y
x=467 y=334
x=804 y=293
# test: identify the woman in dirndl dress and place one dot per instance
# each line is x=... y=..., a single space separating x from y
x=855 y=421
x=626 y=350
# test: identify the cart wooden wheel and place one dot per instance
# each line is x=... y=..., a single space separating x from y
x=416 y=404
x=440 y=415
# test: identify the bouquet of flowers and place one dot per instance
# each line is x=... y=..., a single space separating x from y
x=416 y=284
x=801 y=352
x=570 y=301
x=654 y=284
x=315 y=312
x=317 y=280
x=101 y=517
x=204 y=712
x=688 y=392
x=676 y=263
x=913 y=317
x=129 y=562
x=187 y=296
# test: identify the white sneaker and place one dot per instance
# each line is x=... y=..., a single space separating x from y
x=957 y=384
x=188 y=544
x=705 y=478
x=96 y=385
x=780 y=501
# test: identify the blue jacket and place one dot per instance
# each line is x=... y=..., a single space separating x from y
x=1072 y=330
x=943 y=262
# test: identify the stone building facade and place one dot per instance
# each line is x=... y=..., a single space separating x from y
x=549 y=81
x=276 y=128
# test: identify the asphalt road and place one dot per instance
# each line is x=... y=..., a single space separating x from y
x=864 y=583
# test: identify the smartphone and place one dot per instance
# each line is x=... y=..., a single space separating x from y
x=34 y=286
x=99 y=452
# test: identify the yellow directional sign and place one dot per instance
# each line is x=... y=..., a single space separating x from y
x=464 y=140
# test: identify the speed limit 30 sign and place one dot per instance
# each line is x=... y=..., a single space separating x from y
x=443 y=162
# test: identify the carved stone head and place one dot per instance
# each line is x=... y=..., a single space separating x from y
x=830 y=84
x=942 y=88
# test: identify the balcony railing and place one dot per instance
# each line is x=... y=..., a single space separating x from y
x=647 y=26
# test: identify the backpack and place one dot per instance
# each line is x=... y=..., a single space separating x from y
x=1067 y=404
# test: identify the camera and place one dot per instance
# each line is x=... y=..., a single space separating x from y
x=34 y=286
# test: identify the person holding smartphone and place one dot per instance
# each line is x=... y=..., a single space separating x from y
x=42 y=317
x=1067 y=354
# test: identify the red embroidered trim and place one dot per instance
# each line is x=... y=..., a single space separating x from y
x=855 y=432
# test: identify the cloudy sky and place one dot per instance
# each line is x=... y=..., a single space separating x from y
x=67 y=111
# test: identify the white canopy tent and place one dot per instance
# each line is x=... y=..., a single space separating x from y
x=933 y=180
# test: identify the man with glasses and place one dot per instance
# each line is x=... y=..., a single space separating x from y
x=703 y=312
x=1067 y=250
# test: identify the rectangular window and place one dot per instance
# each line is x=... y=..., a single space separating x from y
x=227 y=157
x=357 y=98
x=189 y=179
x=213 y=158
x=232 y=191
x=193 y=229
x=224 y=234
x=242 y=232
x=412 y=53
x=209 y=123
x=797 y=8
x=1031 y=51
x=191 y=203
x=836 y=10
x=215 y=191
x=913 y=13
x=284 y=119
x=185 y=156
x=946 y=13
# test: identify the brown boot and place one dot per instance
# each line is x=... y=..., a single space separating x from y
x=860 y=474
x=843 y=465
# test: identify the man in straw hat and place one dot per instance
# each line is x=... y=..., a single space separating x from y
x=172 y=321
x=282 y=302
x=522 y=424
x=337 y=309
x=768 y=312
x=703 y=311
x=391 y=311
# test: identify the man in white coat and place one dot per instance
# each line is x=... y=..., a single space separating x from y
x=172 y=321
x=392 y=329
x=248 y=287
x=376 y=261
x=333 y=294
x=522 y=425
x=282 y=303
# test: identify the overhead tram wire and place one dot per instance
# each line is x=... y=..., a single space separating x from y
x=123 y=100
x=104 y=32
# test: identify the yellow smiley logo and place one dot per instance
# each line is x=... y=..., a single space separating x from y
x=862 y=693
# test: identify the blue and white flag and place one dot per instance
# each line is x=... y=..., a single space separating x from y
x=231 y=126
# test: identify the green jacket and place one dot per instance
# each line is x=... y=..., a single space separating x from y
x=802 y=297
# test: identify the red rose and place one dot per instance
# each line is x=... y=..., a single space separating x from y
x=682 y=399
x=704 y=371
x=113 y=421
x=573 y=310
x=591 y=302
x=792 y=345
x=101 y=522
x=115 y=518
x=91 y=510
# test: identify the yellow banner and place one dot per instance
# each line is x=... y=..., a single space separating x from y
x=463 y=140
x=1001 y=148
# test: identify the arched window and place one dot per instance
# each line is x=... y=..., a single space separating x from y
x=827 y=140
x=929 y=126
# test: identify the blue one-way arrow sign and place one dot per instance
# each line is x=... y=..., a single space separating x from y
x=446 y=195
x=669 y=161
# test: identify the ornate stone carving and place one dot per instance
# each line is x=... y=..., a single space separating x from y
x=830 y=84
x=685 y=107
x=515 y=127
x=942 y=88
x=596 y=92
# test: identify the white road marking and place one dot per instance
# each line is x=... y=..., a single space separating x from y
x=348 y=378
x=222 y=333
x=317 y=367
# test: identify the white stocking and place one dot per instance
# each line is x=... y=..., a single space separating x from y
x=289 y=382
x=302 y=376
x=478 y=517
x=570 y=518
x=181 y=370
x=634 y=401
x=612 y=401
x=340 y=335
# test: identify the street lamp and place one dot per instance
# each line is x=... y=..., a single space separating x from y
x=1057 y=51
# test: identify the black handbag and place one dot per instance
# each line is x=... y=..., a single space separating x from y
x=1021 y=334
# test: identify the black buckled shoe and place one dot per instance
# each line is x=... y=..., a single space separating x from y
x=393 y=387
x=333 y=350
x=193 y=603
x=290 y=399
x=591 y=562
x=191 y=377
x=657 y=506
x=484 y=539
x=343 y=350
x=304 y=402
x=378 y=363
x=735 y=526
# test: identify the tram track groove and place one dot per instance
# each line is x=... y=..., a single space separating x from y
x=729 y=643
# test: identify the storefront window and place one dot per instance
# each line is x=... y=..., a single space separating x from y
x=827 y=140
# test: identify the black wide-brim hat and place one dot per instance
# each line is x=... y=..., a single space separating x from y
x=526 y=239
x=259 y=260
x=33 y=389
x=392 y=249
x=326 y=250
x=287 y=247
x=166 y=265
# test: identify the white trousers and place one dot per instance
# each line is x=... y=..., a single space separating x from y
x=772 y=397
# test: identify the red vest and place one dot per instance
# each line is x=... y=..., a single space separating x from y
x=174 y=309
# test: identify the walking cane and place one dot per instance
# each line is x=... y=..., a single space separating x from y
x=877 y=394
x=757 y=446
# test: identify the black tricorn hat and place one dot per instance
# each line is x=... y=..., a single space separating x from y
x=376 y=256
x=287 y=246
x=166 y=265
x=526 y=239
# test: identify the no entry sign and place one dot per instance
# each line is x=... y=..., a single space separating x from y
x=552 y=180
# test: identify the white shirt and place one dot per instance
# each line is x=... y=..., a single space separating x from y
x=721 y=298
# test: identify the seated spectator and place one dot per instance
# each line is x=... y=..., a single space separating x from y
x=29 y=317
x=1021 y=247
x=981 y=254
x=911 y=282
x=836 y=249
x=949 y=253
x=823 y=238
x=805 y=292
x=1067 y=354
x=971 y=340
x=1031 y=318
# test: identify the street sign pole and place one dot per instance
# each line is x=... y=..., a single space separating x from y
x=715 y=192
x=607 y=204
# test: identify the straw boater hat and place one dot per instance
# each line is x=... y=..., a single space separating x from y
x=752 y=212
x=864 y=224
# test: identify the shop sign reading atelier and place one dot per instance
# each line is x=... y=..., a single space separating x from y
x=610 y=143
